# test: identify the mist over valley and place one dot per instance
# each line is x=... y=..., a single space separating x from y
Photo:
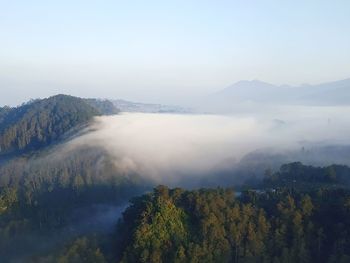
x=175 y=131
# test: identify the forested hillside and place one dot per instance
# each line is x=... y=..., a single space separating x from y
x=41 y=183
x=212 y=225
x=40 y=195
x=298 y=214
x=305 y=177
x=38 y=123
x=105 y=107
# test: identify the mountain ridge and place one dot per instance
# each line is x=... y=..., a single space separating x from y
x=328 y=93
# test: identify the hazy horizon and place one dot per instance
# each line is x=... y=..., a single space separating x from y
x=191 y=102
x=165 y=52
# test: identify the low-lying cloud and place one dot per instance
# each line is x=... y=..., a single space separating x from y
x=167 y=147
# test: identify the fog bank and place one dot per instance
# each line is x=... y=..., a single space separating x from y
x=170 y=147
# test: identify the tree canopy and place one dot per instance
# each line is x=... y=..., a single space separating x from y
x=38 y=123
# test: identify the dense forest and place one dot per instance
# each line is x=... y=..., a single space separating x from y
x=289 y=222
x=218 y=225
x=42 y=183
x=38 y=123
x=39 y=195
x=305 y=177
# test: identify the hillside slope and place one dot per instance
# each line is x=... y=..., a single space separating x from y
x=39 y=123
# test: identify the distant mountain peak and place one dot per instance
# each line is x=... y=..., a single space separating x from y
x=250 y=84
x=329 y=93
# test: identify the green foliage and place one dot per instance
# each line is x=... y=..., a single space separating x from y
x=105 y=107
x=214 y=226
x=41 y=186
x=82 y=250
x=304 y=177
x=162 y=231
x=8 y=198
x=39 y=195
x=41 y=122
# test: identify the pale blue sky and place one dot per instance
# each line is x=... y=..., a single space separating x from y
x=165 y=51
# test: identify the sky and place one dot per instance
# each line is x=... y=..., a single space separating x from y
x=167 y=51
